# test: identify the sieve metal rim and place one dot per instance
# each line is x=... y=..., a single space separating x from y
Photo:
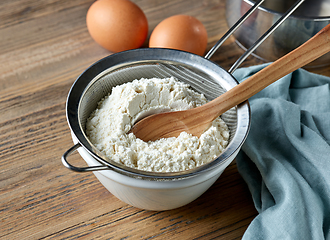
x=114 y=61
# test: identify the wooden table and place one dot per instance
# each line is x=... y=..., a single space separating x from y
x=44 y=46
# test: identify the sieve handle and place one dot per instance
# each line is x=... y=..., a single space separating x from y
x=259 y=41
x=265 y=35
x=80 y=169
x=233 y=29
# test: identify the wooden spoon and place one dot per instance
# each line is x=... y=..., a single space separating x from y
x=197 y=120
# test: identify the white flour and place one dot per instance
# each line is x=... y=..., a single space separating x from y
x=108 y=125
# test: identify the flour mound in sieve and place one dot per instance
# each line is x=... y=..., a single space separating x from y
x=116 y=113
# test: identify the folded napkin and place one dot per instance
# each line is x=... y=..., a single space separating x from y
x=285 y=160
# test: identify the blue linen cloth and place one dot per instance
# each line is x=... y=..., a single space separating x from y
x=285 y=160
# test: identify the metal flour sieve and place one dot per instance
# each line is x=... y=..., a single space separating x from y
x=201 y=74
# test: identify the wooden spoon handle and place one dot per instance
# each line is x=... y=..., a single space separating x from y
x=306 y=53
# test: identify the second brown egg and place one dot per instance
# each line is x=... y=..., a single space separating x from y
x=180 y=32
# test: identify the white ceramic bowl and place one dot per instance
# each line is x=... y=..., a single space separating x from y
x=155 y=195
x=142 y=189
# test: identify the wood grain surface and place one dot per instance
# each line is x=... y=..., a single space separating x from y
x=44 y=47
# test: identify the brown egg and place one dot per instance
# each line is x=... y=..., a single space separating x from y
x=180 y=32
x=117 y=25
